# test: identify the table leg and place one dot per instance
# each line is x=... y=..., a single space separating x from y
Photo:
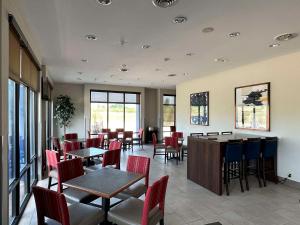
x=105 y=208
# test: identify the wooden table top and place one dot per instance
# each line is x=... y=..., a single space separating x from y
x=87 y=152
x=105 y=182
x=75 y=140
x=226 y=138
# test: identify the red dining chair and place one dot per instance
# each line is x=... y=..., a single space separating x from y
x=177 y=134
x=112 y=136
x=172 y=147
x=140 y=137
x=70 y=146
x=56 y=145
x=128 y=140
x=52 y=159
x=136 y=211
x=68 y=170
x=158 y=149
x=140 y=165
x=71 y=136
x=120 y=130
x=92 y=143
x=53 y=206
x=105 y=130
x=114 y=145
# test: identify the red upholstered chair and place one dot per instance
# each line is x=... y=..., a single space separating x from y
x=177 y=134
x=101 y=140
x=158 y=149
x=53 y=206
x=92 y=143
x=68 y=170
x=120 y=130
x=136 y=211
x=172 y=147
x=140 y=137
x=56 y=145
x=112 y=158
x=128 y=140
x=70 y=146
x=105 y=130
x=140 y=165
x=71 y=136
x=114 y=145
x=52 y=159
x=112 y=136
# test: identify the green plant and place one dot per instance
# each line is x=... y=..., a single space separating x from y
x=64 y=111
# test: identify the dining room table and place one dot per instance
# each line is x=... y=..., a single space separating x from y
x=87 y=154
x=105 y=183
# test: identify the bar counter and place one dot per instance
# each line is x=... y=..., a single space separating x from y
x=205 y=160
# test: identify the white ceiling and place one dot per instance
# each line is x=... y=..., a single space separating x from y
x=61 y=25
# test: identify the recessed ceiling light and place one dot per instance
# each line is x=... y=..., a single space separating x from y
x=167 y=59
x=185 y=74
x=234 y=34
x=164 y=3
x=91 y=37
x=104 y=2
x=80 y=73
x=190 y=54
x=146 y=46
x=124 y=69
x=274 y=45
x=208 y=29
x=84 y=60
x=285 y=37
x=222 y=60
x=179 y=19
x=172 y=75
x=157 y=69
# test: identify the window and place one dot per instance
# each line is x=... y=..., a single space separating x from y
x=169 y=114
x=115 y=110
x=22 y=124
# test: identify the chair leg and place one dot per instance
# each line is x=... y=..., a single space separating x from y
x=166 y=156
x=49 y=182
x=154 y=152
x=240 y=175
x=258 y=172
x=227 y=178
x=264 y=172
x=161 y=222
x=246 y=175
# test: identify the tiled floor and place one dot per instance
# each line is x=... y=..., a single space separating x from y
x=189 y=204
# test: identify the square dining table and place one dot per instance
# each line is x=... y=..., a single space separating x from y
x=105 y=183
x=87 y=153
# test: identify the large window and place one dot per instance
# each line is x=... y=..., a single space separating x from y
x=115 y=110
x=169 y=114
x=22 y=153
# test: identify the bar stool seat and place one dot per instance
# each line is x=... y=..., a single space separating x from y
x=130 y=211
x=136 y=190
x=81 y=214
x=75 y=196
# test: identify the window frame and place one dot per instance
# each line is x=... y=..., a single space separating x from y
x=174 y=105
x=107 y=102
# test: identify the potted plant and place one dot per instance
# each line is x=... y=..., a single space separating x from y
x=64 y=111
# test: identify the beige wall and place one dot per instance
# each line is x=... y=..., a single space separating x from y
x=283 y=73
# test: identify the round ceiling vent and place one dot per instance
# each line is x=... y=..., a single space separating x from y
x=285 y=37
x=164 y=3
x=104 y=2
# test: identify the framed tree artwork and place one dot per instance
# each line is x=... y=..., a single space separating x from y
x=199 y=103
x=252 y=107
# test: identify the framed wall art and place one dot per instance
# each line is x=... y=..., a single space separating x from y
x=199 y=103
x=252 y=107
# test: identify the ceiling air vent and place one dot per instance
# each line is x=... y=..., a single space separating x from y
x=164 y=3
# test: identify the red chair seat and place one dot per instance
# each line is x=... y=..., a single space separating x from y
x=130 y=211
x=136 y=190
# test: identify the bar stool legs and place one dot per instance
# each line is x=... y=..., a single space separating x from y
x=233 y=170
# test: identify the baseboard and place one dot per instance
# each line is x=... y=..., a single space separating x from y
x=290 y=183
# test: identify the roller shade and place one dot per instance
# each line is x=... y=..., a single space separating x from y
x=14 y=56
x=34 y=77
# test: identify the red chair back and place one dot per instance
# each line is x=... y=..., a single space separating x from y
x=139 y=164
x=67 y=170
x=177 y=134
x=52 y=159
x=70 y=146
x=112 y=158
x=93 y=142
x=101 y=140
x=155 y=196
x=112 y=135
x=120 y=130
x=50 y=204
x=105 y=130
x=71 y=136
x=127 y=134
x=171 y=141
x=141 y=133
x=56 y=143
x=154 y=139
x=115 y=145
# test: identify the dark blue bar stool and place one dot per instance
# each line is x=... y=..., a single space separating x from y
x=233 y=163
x=269 y=152
x=252 y=153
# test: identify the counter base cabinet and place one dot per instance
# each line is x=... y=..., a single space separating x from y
x=204 y=163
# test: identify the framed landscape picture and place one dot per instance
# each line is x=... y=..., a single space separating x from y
x=252 y=107
x=199 y=103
